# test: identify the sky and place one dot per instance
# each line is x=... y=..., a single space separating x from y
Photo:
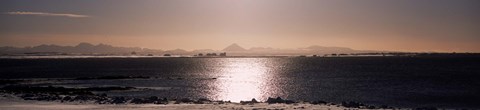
x=396 y=25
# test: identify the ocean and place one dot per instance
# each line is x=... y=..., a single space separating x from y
x=448 y=82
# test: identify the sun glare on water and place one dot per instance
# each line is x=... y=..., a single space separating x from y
x=243 y=79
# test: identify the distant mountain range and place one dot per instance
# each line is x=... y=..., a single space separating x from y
x=234 y=49
x=311 y=50
x=82 y=48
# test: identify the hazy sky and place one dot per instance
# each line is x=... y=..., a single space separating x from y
x=402 y=25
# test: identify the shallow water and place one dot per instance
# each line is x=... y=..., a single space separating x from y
x=394 y=81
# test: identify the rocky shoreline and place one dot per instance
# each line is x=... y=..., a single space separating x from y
x=85 y=95
x=91 y=95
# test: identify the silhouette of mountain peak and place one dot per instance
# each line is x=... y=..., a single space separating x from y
x=83 y=44
x=234 y=47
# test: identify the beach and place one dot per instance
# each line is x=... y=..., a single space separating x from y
x=14 y=103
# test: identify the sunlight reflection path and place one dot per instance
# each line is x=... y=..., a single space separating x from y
x=243 y=79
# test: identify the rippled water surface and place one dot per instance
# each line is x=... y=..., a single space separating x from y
x=395 y=81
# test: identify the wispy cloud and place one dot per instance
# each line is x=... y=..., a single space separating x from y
x=70 y=15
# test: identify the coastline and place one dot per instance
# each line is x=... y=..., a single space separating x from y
x=9 y=102
x=17 y=96
x=22 y=97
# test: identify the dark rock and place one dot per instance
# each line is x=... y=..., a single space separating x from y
x=137 y=101
x=183 y=100
x=103 y=95
x=67 y=98
x=289 y=102
x=198 y=102
x=254 y=100
x=101 y=100
x=204 y=100
x=320 y=102
x=161 y=102
x=81 y=93
x=153 y=98
x=426 y=108
x=370 y=107
x=82 y=98
x=270 y=100
x=118 y=100
x=351 y=104
x=164 y=99
x=280 y=100
x=275 y=100
x=149 y=100
x=44 y=97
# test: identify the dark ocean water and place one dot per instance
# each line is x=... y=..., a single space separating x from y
x=394 y=81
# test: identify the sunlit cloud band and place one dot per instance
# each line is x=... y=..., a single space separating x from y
x=47 y=14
